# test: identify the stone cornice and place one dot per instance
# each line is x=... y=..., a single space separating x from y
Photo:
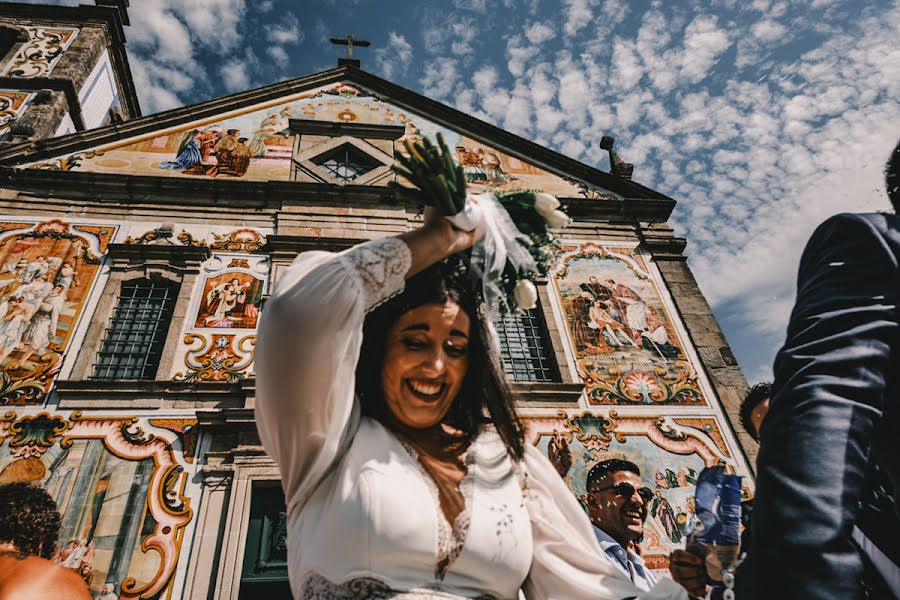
x=92 y=394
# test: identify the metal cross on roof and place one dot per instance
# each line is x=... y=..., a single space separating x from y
x=349 y=41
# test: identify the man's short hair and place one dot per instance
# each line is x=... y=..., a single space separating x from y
x=29 y=519
x=755 y=396
x=605 y=467
x=892 y=178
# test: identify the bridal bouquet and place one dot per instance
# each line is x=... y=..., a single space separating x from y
x=517 y=245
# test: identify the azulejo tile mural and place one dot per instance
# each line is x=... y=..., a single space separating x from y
x=669 y=455
x=625 y=345
x=47 y=272
x=120 y=485
x=220 y=336
x=255 y=143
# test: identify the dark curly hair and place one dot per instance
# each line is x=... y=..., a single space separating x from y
x=29 y=519
x=605 y=467
x=757 y=394
x=484 y=392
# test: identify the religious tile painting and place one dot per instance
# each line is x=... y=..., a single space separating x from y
x=669 y=455
x=625 y=346
x=256 y=144
x=220 y=337
x=120 y=486
x=47 y=271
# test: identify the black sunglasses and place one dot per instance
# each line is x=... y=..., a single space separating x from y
x=626 y=490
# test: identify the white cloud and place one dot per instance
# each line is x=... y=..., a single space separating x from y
x=578 y=15
x=441 y=76
x=704 y=42
x=235 y=76
x=395 y=56
x=538 y=33
x=278 y=54
x=768 y=30
x=286 y=31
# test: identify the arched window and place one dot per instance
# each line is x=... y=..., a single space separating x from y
x=136 y=335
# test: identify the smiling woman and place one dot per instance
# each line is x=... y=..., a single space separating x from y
x=406 y=475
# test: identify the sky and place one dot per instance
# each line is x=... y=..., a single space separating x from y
x=760 y=117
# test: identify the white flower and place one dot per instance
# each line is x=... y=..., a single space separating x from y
x=525 y=295
x=545 y=204
x=558 y=219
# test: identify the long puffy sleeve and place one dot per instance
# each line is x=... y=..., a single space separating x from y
x=568 y=562
x=310 y=333
x=831 y=381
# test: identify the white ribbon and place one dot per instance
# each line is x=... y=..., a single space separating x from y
x=499 y=244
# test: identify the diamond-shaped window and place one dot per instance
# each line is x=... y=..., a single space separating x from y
x=346 y=162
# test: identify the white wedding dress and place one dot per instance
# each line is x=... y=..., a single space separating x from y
x=364 y=519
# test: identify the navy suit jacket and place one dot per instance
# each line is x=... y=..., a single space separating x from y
x=831 y=438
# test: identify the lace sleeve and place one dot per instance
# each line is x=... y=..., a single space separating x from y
x=379 y=267
x=309 y=338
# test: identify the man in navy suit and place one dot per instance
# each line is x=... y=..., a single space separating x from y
x=825 y=523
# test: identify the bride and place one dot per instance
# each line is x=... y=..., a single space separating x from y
x=403 y=462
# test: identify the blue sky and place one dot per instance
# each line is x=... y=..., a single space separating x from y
x=761 y=117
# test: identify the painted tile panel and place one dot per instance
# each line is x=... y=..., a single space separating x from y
x=255 y=144
x=622 y=337
x=120 y=485
x=47 y=272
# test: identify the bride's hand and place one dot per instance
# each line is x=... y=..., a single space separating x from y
x=453 y=239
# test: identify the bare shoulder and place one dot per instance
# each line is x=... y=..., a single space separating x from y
x=39 y=579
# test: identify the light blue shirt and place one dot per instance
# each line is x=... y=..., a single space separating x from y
x=628 y=561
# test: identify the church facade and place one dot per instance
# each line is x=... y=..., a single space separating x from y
x=137 y=253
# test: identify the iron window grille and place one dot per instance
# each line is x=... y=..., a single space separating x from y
x=136 y=335
x=346 y=163
x=525 y=348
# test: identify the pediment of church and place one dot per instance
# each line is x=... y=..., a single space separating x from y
x=340 y=132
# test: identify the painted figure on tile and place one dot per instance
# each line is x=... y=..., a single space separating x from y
x=230 y=300
x=492 y=166
x=471 y=164
x=613 y=334
x=188 y=154
x=41 y=330
x=45 y=277
x=559 y=454
x=223 y=299
x=624 y=346
x=207 y=139
x=108 y=592
x=269 y=131
x=585 y=335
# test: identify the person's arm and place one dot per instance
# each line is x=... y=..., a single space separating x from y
x=828 y=396
x=567 y=561
x=310 y=333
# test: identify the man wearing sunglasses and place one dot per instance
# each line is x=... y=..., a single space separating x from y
x=617 y=505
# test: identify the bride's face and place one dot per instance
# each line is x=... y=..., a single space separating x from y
x=425 y=361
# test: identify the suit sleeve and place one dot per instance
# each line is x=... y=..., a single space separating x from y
x=830 y=382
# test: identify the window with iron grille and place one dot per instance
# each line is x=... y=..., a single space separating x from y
x=136 y=334
x=525 y=348
x=346 y=163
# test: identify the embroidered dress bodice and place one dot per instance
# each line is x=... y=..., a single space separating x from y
x=364 y=515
